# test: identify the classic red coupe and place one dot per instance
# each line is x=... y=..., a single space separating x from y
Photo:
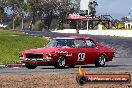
x=68 y=51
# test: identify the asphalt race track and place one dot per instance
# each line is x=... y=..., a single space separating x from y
x=117 y=65
x=121 y=63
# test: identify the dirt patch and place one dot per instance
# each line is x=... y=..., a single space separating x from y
x=49 y=80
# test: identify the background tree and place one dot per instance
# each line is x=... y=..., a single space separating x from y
x=92 y=6
x=33 y=6
x=64 y=9
x=124 y=19
x=12 y=5
x=50 y=11
x=17 y=7
x=22 y=10
x=42 y=11
x=2 y=7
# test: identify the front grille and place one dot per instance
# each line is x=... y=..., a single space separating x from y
x=35 y=56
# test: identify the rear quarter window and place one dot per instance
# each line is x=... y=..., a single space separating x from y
x=90 y=44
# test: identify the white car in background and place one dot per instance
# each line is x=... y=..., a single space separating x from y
x=3 y=26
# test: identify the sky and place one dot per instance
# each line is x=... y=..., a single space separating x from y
x=115 y=8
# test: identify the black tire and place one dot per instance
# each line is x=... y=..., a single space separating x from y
x=61 y=62
x=81 y=80
x=30 y=66
x=100 y=62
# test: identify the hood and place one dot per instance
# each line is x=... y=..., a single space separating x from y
x=41 y=50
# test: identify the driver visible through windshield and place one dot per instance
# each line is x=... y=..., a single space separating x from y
x=61 y=43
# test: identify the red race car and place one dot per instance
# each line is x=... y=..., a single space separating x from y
x=68 y=51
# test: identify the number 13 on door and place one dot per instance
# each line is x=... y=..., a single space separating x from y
x=81 y=56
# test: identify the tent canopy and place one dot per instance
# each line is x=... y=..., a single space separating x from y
x=76 y=16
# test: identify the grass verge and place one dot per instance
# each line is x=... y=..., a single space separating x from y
x=10 y=46
x=9 y=32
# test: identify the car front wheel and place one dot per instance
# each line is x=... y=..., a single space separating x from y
x=30 y=66
x=61 y=62
x=100 y=62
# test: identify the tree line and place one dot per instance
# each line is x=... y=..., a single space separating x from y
x=42 y=10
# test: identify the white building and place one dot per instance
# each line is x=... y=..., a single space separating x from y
x=128 y=25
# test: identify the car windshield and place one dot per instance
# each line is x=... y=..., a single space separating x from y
x=60 y=43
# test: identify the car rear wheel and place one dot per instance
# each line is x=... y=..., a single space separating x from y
x=100 y=62
x=30 y=66
x=61 y=62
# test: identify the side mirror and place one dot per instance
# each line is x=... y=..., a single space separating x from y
x=96 y=47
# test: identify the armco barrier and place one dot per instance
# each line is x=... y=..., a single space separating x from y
x=111 y=32
x=66 y=31
x=122 y=33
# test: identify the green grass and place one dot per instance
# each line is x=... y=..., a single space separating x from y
x=9 y=32
x=10 y=46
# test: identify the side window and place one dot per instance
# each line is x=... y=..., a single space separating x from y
x=79 y=43
x=90 y=44
x=70 y=43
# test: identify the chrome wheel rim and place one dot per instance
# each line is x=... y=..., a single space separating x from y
x=62 y=61
x=101 y=60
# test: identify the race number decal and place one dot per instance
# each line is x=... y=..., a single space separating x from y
x=81 y=57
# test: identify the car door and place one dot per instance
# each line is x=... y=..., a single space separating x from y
x=92 y=52
x=80 y=52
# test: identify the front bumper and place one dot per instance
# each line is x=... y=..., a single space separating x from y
x=44 y=60
x=37 y=61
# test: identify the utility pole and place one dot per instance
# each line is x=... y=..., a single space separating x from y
x=129 y=16
x=88 y=16
x=87 y=22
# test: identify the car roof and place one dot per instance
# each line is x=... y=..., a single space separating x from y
x=72 y=37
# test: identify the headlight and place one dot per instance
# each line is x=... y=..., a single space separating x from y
x=48 y=56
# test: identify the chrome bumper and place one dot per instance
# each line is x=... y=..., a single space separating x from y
x=36 y=60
